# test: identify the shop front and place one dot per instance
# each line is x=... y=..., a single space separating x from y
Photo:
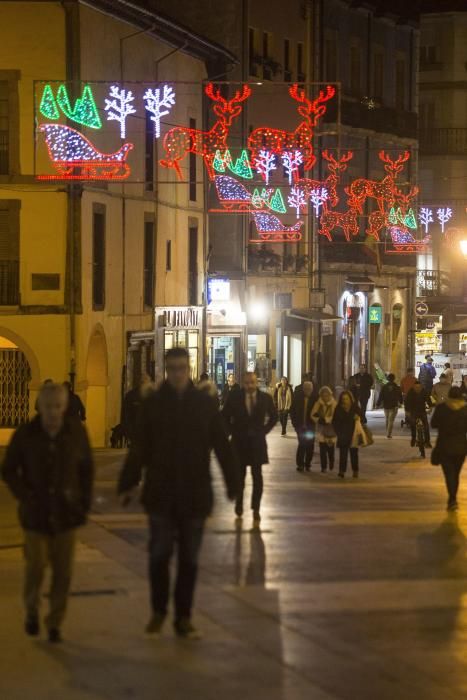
x=180 y=326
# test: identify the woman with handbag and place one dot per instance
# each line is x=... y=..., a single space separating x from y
x=323 y=413
x=345 y=420
x=450 y=418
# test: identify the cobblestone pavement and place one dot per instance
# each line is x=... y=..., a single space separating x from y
x=350 y=590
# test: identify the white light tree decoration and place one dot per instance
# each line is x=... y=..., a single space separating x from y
x=297 y=199
x=291 y=161
x=318 y=196
x=155 y=104
x=119 y=106
x=426 y=217
x=443 y=214
x=265 y=163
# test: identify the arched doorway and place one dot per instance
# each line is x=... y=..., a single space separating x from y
x=96 y=393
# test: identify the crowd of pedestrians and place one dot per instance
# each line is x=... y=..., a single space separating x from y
x=171 y=427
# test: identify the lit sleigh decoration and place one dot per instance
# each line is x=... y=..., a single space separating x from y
x=74 y=157
x=233 y=195
x=270 y=228
x=405 y=242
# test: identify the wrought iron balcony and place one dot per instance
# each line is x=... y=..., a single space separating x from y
x=444 y=141
x=432 y=283
x=9 y=282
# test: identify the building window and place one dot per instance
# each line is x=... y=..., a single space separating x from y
x=428 y=57
x=98 y=257
x=4 y=128
x=192 y=169
x=400 y=83
x=9 y=252
x=168 y=256
x=267 y=72
x=149 y=154
x=149 y=264
x=193 y=265
x=252 y=53
x=355 y=70
x=378 y=75
x=300 y=71
x=287 y=69
x=330 y=59
x=426 y=115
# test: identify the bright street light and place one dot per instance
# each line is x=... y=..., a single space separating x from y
x=258 y=311
x=463 y=247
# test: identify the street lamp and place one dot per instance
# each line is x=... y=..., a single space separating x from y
x=258 y=312
x=463 y=247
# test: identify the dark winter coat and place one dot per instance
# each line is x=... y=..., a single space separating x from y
x=344 y=425
x=131 y=410
x=360 y=385
x=249 y=432
x=390 y=396
x=416 y=403
x=172 y=453
x=227 y=390
x=300 y=419
x=450 y=418
x=75 y=407
x=50 y=477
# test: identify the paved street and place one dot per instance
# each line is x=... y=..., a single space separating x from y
x=354 y=589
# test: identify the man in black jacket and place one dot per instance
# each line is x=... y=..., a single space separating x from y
x=230 y=386
x=360 y=385
x=304 y=398
x=250 y=415
x=416 y=403
x=75 y=408
x=179 y=425
x=390 y=399
x=49 y=469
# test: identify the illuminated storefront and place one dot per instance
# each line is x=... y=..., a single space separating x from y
x=180 y=326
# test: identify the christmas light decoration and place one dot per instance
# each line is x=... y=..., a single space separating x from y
x=265 y=163
x=221 y=161
x=76 y=158
x=376 y=222
x=159 y=105
x=291 y=161
x=118 y=106
x=409 y=219
x=48 y=106
x=271 y=228
x=297 y=200
x=233 y=195
x=277 y=141
x=396 y=217
x=182 y=140
x=331 y=220
x=381 y=190
x=404 y=242
x=336 y=166
x=84 y=111
x=276 y=203
x=443 y=215
x=425 y=216
x=318 y=196
x=242 y=166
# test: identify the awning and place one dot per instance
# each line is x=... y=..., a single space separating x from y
x=313 y=315
x=457 y=327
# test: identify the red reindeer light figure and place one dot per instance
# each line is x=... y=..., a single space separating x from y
x=331 y=181
x=181 y=140
x=277 y=141
x=347 y=221
x=381 y=190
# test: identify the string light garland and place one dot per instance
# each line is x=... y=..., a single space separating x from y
x=180 y=140
x=75 y=157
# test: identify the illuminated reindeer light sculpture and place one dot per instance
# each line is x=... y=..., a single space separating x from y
x=182 y=140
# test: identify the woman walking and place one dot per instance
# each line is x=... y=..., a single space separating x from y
x=344 y=421
x=283 y=401
x=450 y=418
x=323 y=413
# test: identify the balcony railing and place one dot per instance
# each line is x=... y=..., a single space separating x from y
x=444 y=141
x=262 y=260
x=9 y=282
x=432 y=283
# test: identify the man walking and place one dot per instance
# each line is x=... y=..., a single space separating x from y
x=178 y=427
x=361 y=385
x=49 y=469
x=427 y=374
x=231 y=385
x=304 y=399
x=390 y=399
x=75 y=407
x=416 y=404
x=131 y=406
x=440 y=390
x=250 y=415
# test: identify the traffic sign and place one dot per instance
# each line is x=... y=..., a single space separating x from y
x=421 y=309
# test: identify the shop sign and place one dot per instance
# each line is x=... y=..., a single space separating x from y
x=182 y=317
x=218 y=289
x=375 y=314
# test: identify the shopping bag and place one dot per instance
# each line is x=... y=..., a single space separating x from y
x=369 y=435
x=359 y=438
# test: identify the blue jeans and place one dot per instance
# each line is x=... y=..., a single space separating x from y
x=165 y=531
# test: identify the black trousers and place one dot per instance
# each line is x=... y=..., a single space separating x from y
x=326 y=452
x=413 y=426
x=165 y=532
x=257 y=476
x=305 y=450
x=363 y=405
x=343 y=455
x=283 y=418
x=452 y=467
